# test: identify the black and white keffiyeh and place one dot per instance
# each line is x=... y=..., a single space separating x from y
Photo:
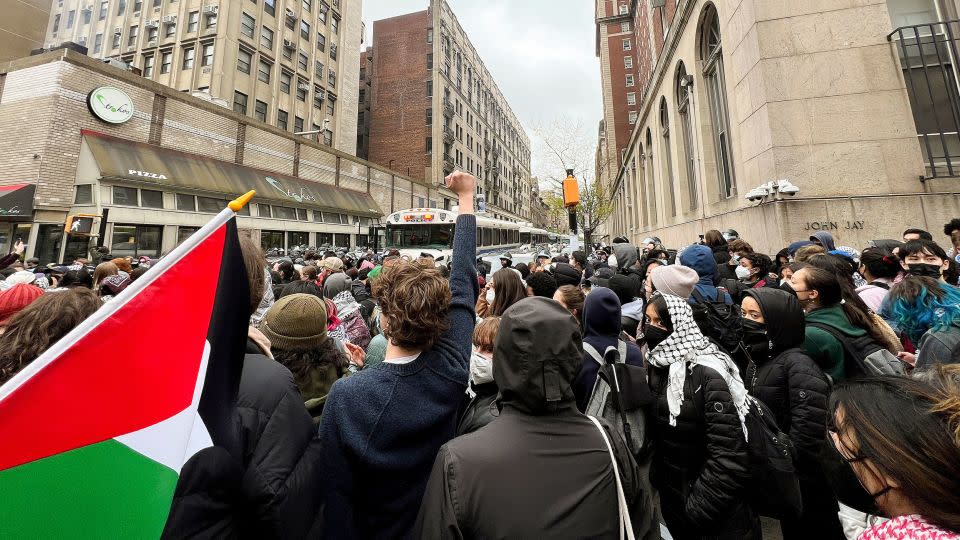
x=687 y=345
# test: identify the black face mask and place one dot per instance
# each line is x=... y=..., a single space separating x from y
x=755 y=340
x=844 y=482
x=925 y=270
x=654 y=336
x=787 y=287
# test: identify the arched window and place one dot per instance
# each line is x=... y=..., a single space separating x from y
x=684 y=99
x=713 y=77
x=650 y=180
x=667 y=161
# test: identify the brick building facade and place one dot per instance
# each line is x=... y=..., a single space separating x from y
x=364 y=119
x=161 y=173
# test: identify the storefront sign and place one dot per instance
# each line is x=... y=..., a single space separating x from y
x=110 y=104
x=300 y=196
x=833 y=225
x=146 y=174
x=12 y=211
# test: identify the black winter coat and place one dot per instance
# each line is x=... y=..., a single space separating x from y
x=796 y=390
x=478 y=410
x=275 y=491
x=700 y=464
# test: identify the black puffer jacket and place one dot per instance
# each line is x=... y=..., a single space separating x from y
x=700 y=464
x=479 y=410
x=540 y=469
x=796 y=390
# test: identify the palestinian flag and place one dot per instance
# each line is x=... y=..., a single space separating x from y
x=96 y=431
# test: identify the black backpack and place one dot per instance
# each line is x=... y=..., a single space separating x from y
x=718 y=321
x=774 y=488
x=864 y=357
x=622 y=397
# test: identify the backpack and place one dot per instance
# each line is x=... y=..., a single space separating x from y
x=864 y=357
x=621 y=396
x=718 y=321
x=774 y=487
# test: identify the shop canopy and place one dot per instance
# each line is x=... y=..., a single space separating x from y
x=172 y=169
x=16 y=202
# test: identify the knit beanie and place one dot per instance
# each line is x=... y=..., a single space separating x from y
x=674 y=279
x=622 y=286
x=21 y=277
x=566 y=274
x=296 y=323
x=15 y=299
x=332 y=263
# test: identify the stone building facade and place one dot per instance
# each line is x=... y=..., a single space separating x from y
x=23 y=27
x=828 y=96
x=437 y=108
x=291 y=63
x=365 y=99
x=155 y=178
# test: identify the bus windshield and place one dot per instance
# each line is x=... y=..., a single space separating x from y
x=438 y=236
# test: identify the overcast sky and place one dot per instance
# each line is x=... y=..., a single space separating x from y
x=540 y=52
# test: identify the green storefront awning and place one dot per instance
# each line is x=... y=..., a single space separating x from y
x=172 y=169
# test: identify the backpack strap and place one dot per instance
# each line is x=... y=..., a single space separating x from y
x=880 y=284
x=849 y=354
x=698 y=297
x=588 y=348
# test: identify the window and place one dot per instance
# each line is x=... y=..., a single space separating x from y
x=306 y=5
x=334 y=25
x=271 y=239
x=297 y=124
x=266 y=38
x=333 y=51
x=136 y=240
x=285 y=82
x=321 y=42
x=116 y=41
x=210 y=205
x=282 y=119
x=631 y=98
x=323 y=12
x=185 y=232
x=630 y=80
x=171 y=30
x=121 y=7
x=302 y=90
x=318 y=97
x=625 y=26
x=124 y=196
x=429 y=60
x=86 y=15
x=243 y=61
x=97 y=43
x=624 y=9
x=328 y=137
x=626 y=45
x=304 y=30
x=132 y=36
x=713 y=74
x=247 y=25
x=332 y=78
x=148 y=61
x=318 y=68
x=270 y=7
x=239 y=102
x=193 y=20
x=284 y=212
x=429 y=145
x=667 y=159
x=331 y=106
x=104 y=6
x=153 y=34
x=71 y=18
x=263 y=71
x=151 y=199
x=260 y=111
x=302 y=61
x=166 y=60
x=263 y=210
x=157 y=3
x=429 y=35
x=429 y=117
x=56 y=23
x=628 y=62
x=207 y=59
x=429 y=88
x=137 y=5
x=211 y=21
x=188 y=55
x=633 y=117
x=683 y=89
x=83 y=194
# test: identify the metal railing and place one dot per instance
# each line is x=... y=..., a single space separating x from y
x=928 y=56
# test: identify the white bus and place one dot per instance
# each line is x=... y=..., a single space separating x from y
x=430 y=230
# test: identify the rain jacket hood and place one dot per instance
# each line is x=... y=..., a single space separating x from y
x=626 y=255
x=534 y=360
x=700 y=258
x=783 y=315
x=825 y=239
x=601 y=314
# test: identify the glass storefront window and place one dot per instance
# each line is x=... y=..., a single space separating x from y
x=324 y=239
x=49 y=240
x=263 y=210
x=298 y=239
x=184 y=232
x=125 y=196
x=210 y=205
x=78 y=247
x=83 y=194
x=341 y=240
x=301 y=214
x=151 y=199
x=284 y=212
x=186 y=202
x=136 y=240
x=271 y=239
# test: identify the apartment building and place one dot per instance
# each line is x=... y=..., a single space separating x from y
x=23 y=27
x=787 y=118
x=290 y=63
x=365 y=100
x=437 y=108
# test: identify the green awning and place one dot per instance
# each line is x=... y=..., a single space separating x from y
x=172 y=169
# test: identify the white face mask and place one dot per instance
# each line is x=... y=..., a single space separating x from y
x=490 y=296
x=742 y=272
x=481 y=368
x=612 y=261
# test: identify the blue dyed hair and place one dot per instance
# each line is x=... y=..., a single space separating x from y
x=918 y=304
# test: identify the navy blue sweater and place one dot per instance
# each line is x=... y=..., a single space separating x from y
x=382 y=427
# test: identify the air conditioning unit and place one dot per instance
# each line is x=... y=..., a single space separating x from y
x=211 y=10
x=117 y=31
x=169 y=19
x=288 y=44
x=303 y=86
x=291 y=14
x=207 y=69
x=82 y=40
x=87 y=9
x=152 y=24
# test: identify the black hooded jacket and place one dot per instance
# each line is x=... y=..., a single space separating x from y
x=796 y=390
x=626 y=259
x=540 y=469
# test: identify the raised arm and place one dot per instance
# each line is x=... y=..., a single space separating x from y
x=463 y=275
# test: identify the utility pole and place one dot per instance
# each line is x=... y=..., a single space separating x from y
x=571 y=198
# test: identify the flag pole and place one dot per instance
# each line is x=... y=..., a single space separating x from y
x=118 y=301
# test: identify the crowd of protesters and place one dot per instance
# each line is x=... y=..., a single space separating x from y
x=615 y=392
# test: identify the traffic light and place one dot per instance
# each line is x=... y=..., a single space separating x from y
x=79 y=225
x=571 y=192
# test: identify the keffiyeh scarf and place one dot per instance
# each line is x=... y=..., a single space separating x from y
x=686 y=346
